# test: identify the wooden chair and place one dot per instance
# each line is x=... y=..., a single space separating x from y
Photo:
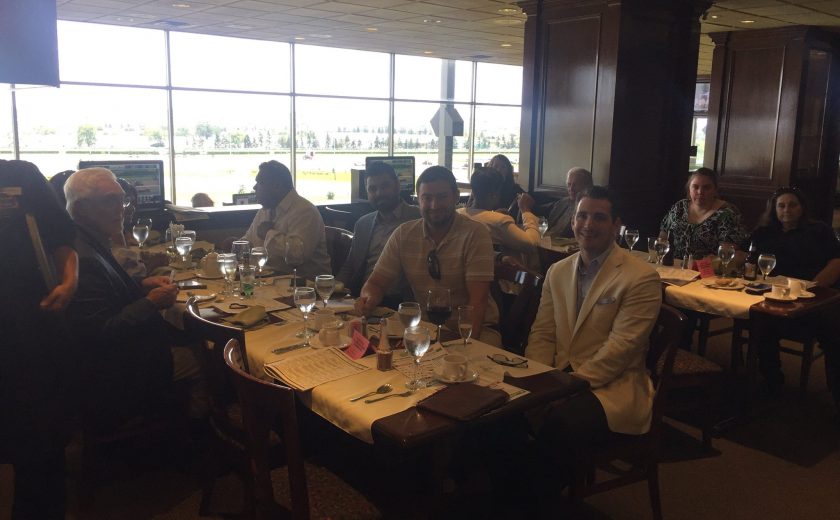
x=312 y=491
x=225 y=413
x=641 y=450
x=516 y=312
x=338 y=246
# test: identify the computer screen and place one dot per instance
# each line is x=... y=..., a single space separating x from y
x=403 y=165
x=145 y=176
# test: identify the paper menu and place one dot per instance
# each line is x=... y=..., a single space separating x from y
x=311 y=368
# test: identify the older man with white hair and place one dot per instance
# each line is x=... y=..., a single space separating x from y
x=130 y=349
x=561 y=212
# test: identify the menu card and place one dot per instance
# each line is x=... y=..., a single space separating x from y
x=359 y=346
x=311 y=368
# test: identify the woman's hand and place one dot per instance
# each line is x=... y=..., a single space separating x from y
x=58 y=298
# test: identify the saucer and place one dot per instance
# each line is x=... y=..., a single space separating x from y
x=200 y=274
x=784 y=299
x=315 y=342
x=711 y=283
x=443 y=379
x=805 y=295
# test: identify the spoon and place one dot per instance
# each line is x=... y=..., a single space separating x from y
x=404 y=394
x=384 y=389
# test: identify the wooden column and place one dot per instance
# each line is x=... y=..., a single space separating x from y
x=609 y=86
x=774 y=114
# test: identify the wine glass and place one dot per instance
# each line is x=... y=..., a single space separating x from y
x=325 y=285
x=652 y=258
x=543 y=227
x=259 y=256
x=631 y=236
x=439 y=308
x=227 y=262
x=465 y=322
x=141 y=230
x=726 y=252
x=293 y=256
x=242 y=250
x=662 y=247
x=189 y=233
x=416 y=341
x=409 y=313
x=766 y=263
x=184 y=245
x=305 y=300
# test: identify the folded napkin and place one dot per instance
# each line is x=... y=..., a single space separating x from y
x=249 y=317
x=464 y=401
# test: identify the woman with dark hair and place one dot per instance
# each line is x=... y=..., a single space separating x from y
x=808 y=250
x=698 y=224
x=509 y=190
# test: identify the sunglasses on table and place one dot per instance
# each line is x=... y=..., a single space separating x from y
x=502 y=359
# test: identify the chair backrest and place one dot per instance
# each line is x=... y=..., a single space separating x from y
x=664 y=340
x=338 y=246
x=213 y=337
x=516 y=318
x=339 y=218
x=262 y=404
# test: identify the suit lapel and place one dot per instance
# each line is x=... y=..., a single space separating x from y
x=570 y=273
x=606 y=274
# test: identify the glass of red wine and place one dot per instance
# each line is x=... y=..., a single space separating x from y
x=439 y=308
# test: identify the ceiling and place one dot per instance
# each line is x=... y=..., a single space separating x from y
x=482 y=30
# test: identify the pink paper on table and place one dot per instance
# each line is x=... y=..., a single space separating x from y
x=358 y=346
x=705 y=268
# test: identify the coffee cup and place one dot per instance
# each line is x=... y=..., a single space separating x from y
x=210 y=265
x=780 y=291
x=324 y=316
x=795 y=287
x=330 y=333
x=454 y=367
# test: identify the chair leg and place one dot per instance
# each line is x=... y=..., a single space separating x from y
x=653 y=490
x=703 y=334
x=805 y=371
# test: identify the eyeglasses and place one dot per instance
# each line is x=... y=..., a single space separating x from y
x=433 y=264
x=502 y=359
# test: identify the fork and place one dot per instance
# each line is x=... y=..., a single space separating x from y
x=404 y=394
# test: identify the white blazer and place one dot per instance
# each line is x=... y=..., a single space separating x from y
x=607 y=342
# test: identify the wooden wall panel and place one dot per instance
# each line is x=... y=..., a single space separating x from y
x=571 y=87
x=752 y=114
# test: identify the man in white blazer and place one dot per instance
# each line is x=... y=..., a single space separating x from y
x=597 y=310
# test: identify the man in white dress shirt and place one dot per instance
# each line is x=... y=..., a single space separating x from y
x=284 y=214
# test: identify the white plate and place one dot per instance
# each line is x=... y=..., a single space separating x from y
x=203 y=276
x=711 y=283
x=315 y=342
x=202 y=295
x=785 y=299
x=443 y=379
x=805 y=295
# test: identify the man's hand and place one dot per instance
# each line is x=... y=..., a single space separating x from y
x=58 y=299
x=264 y=228
x=153 y=282
x=163 y=296
x=525 y=202
x=364 y=305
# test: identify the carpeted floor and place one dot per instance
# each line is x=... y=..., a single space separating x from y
x=784 y=463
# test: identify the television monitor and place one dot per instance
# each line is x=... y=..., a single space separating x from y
x=145 y=176
x=403 y=165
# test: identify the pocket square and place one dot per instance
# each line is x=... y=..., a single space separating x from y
x=606 y=300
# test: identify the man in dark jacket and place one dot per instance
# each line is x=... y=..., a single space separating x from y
x=129 y=347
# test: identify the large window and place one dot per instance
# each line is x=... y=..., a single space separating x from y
x=60 y=127
x=213 y=108
x=698 y=126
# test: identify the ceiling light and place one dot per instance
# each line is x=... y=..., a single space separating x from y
x=509 y=10
x=371 y=29
x=509 y=20
x=431 y=20
x=321 y=35
x=507 y=45
x=714 y=17
x=182 y=6
x=299 y=38
x=428 y=52
x=747 y=21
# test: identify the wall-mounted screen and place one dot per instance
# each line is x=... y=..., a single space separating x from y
x=145 y=176
x=403 y=165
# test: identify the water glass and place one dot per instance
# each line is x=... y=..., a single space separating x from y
x=416 y=340
x=662 y=246
x=227 y=261
x=631 y=236
x=259 y=257
x=465 y=322
x=766 y=263
x=325 y=285
x=652 y=257
x=409 y=313
x=184 y=245
x=726 y=253
x=304 y=298
x=293 y=255
x=247 y=279
x=141 y=230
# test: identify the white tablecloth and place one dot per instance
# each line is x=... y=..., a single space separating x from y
x=697 y=297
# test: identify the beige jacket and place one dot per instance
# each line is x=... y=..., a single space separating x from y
x=607 y=343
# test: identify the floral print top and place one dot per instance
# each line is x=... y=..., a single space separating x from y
x=724 y=225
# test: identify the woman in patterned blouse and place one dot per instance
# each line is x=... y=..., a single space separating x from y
x=698 y=224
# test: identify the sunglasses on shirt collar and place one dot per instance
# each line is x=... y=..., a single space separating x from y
x=433 y=264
